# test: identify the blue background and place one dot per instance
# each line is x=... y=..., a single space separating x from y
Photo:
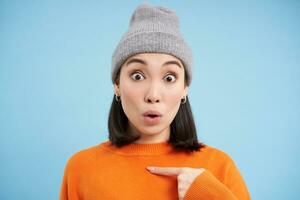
x=56 y=90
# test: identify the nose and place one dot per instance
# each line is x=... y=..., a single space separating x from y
x=153 y=94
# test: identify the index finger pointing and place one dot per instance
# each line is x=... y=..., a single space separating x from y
x=168 y=171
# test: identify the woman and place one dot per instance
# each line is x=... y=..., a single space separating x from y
x=153 y=151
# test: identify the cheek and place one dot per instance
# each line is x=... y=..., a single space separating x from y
x=130 y=98
x=173 y=102
x=130 y=91
x=173 y=98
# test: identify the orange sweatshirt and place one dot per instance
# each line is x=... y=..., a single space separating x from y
x=109 y=173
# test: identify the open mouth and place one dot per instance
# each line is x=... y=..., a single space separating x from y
x=152 y=116
x=152 y=119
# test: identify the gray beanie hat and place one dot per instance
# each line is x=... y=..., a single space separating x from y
x=152 y=30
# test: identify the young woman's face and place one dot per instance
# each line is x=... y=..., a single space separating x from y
x=151 y=81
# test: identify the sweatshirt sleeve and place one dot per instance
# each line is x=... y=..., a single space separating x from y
x=64 y=187
x=69 y=189
x=206 y=186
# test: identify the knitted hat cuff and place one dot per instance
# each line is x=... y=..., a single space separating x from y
x=152 y=42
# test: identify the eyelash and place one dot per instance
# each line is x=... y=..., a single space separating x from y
x=138 y=72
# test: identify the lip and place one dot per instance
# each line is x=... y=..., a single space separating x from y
x=152 y=112
x=152 y=120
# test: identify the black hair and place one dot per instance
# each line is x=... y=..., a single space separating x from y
x=183 y=135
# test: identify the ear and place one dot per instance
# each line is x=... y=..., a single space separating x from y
x=186 y=90
x=117 y=89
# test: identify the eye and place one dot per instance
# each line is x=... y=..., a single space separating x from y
x=136 y=76
x=170 y=77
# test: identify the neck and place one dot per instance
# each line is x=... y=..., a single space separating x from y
x=150 y=138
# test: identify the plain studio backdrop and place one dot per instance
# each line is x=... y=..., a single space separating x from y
x=55 y=59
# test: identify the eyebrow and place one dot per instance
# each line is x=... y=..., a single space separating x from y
x=136 y=60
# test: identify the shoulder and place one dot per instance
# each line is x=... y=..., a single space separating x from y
x=215 y=154
x=82 y=157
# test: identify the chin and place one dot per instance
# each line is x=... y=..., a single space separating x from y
x=150 y=130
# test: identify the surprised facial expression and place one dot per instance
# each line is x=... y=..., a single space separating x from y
x=151 y=84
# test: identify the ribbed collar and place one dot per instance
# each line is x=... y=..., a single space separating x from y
x=138 y=149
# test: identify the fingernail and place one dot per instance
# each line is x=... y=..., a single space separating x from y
x=150 y=168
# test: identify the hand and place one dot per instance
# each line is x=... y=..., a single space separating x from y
x=185 y=176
